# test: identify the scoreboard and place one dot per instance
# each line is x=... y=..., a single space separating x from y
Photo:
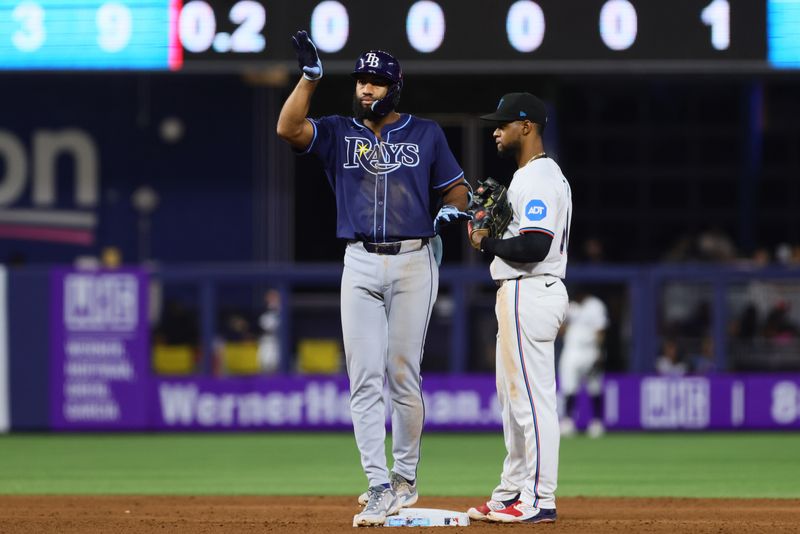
x=429 y=36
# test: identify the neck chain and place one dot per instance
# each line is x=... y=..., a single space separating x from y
x=537 y=156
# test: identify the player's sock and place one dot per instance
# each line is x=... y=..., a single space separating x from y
x=597 y=407
x=569 y=405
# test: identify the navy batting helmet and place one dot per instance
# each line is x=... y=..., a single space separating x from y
x=385 y=65
x=379 y=63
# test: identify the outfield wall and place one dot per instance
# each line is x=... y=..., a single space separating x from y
x=79 y=359
x=452 y=403
x=5 y=412
x=469 y=403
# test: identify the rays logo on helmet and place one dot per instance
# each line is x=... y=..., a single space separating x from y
x=372 y=60
x=536 y=210
x=382 y=158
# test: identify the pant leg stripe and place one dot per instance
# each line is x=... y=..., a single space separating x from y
x=530 y=393
x=431 y=296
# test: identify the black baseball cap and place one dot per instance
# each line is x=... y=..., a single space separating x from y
x=519 y=107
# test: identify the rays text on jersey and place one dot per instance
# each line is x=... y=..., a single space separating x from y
x=381 y=158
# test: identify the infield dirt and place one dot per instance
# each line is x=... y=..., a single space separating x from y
x=331 y=515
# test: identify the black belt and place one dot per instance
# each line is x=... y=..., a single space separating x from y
x=499 y=283
x=388 y=249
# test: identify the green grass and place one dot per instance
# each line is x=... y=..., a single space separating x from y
x=688 y=465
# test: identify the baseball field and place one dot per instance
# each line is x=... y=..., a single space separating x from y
x=195 y=483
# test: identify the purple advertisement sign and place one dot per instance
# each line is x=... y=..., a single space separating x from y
x=309 y=403
x=99 y=349
x=722 y=402
x=469 y=403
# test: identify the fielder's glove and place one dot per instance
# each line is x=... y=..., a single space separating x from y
x=491 y=212
x=449 y=214
x=307 y=56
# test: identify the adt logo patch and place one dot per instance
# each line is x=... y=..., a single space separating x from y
x=536 y=210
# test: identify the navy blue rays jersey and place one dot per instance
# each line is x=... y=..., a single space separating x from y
x=383 y=185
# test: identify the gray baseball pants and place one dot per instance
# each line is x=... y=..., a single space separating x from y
x=386 y=303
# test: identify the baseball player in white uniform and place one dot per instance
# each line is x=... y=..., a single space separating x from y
x=529 y=265
x=581 y=359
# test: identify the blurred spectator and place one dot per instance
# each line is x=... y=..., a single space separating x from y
x=269 y=350
x=581 y=360
x=696 y=335
x=796 y=255
x=671 y=362
x=778 y=327
x=593 y=251
x=714 y=244
x=688 y=340
x=681 y=250
x=783 y=254
x=236 y=327
x=702 y=361
x=761 y=257
x=235 y=349
x=762 y=294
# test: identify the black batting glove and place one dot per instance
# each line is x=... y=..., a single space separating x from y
x=307 y=56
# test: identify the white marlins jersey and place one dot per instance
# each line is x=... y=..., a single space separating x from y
x=541 y=201
x=584 y=321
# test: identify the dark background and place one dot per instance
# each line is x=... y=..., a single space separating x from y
x=661 y=142
x=650 y=158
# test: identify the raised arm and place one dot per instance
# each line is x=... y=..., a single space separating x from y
x=292 y=124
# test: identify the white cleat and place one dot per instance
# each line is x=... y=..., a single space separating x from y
x=595 y=429
x=406 y=492
x=382 y=502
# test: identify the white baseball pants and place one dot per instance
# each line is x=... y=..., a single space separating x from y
x=529 y=314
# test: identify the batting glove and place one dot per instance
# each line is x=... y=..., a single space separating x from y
x=449 y=214
x=386 y=104
x=307 y=56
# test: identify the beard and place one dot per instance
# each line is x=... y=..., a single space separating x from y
x=363 y=113
x=510 y=151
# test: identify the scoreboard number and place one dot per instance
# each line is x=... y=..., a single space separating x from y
x=430 y=36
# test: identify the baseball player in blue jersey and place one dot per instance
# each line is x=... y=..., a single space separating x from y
x=382 y=166
x=530 y=260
